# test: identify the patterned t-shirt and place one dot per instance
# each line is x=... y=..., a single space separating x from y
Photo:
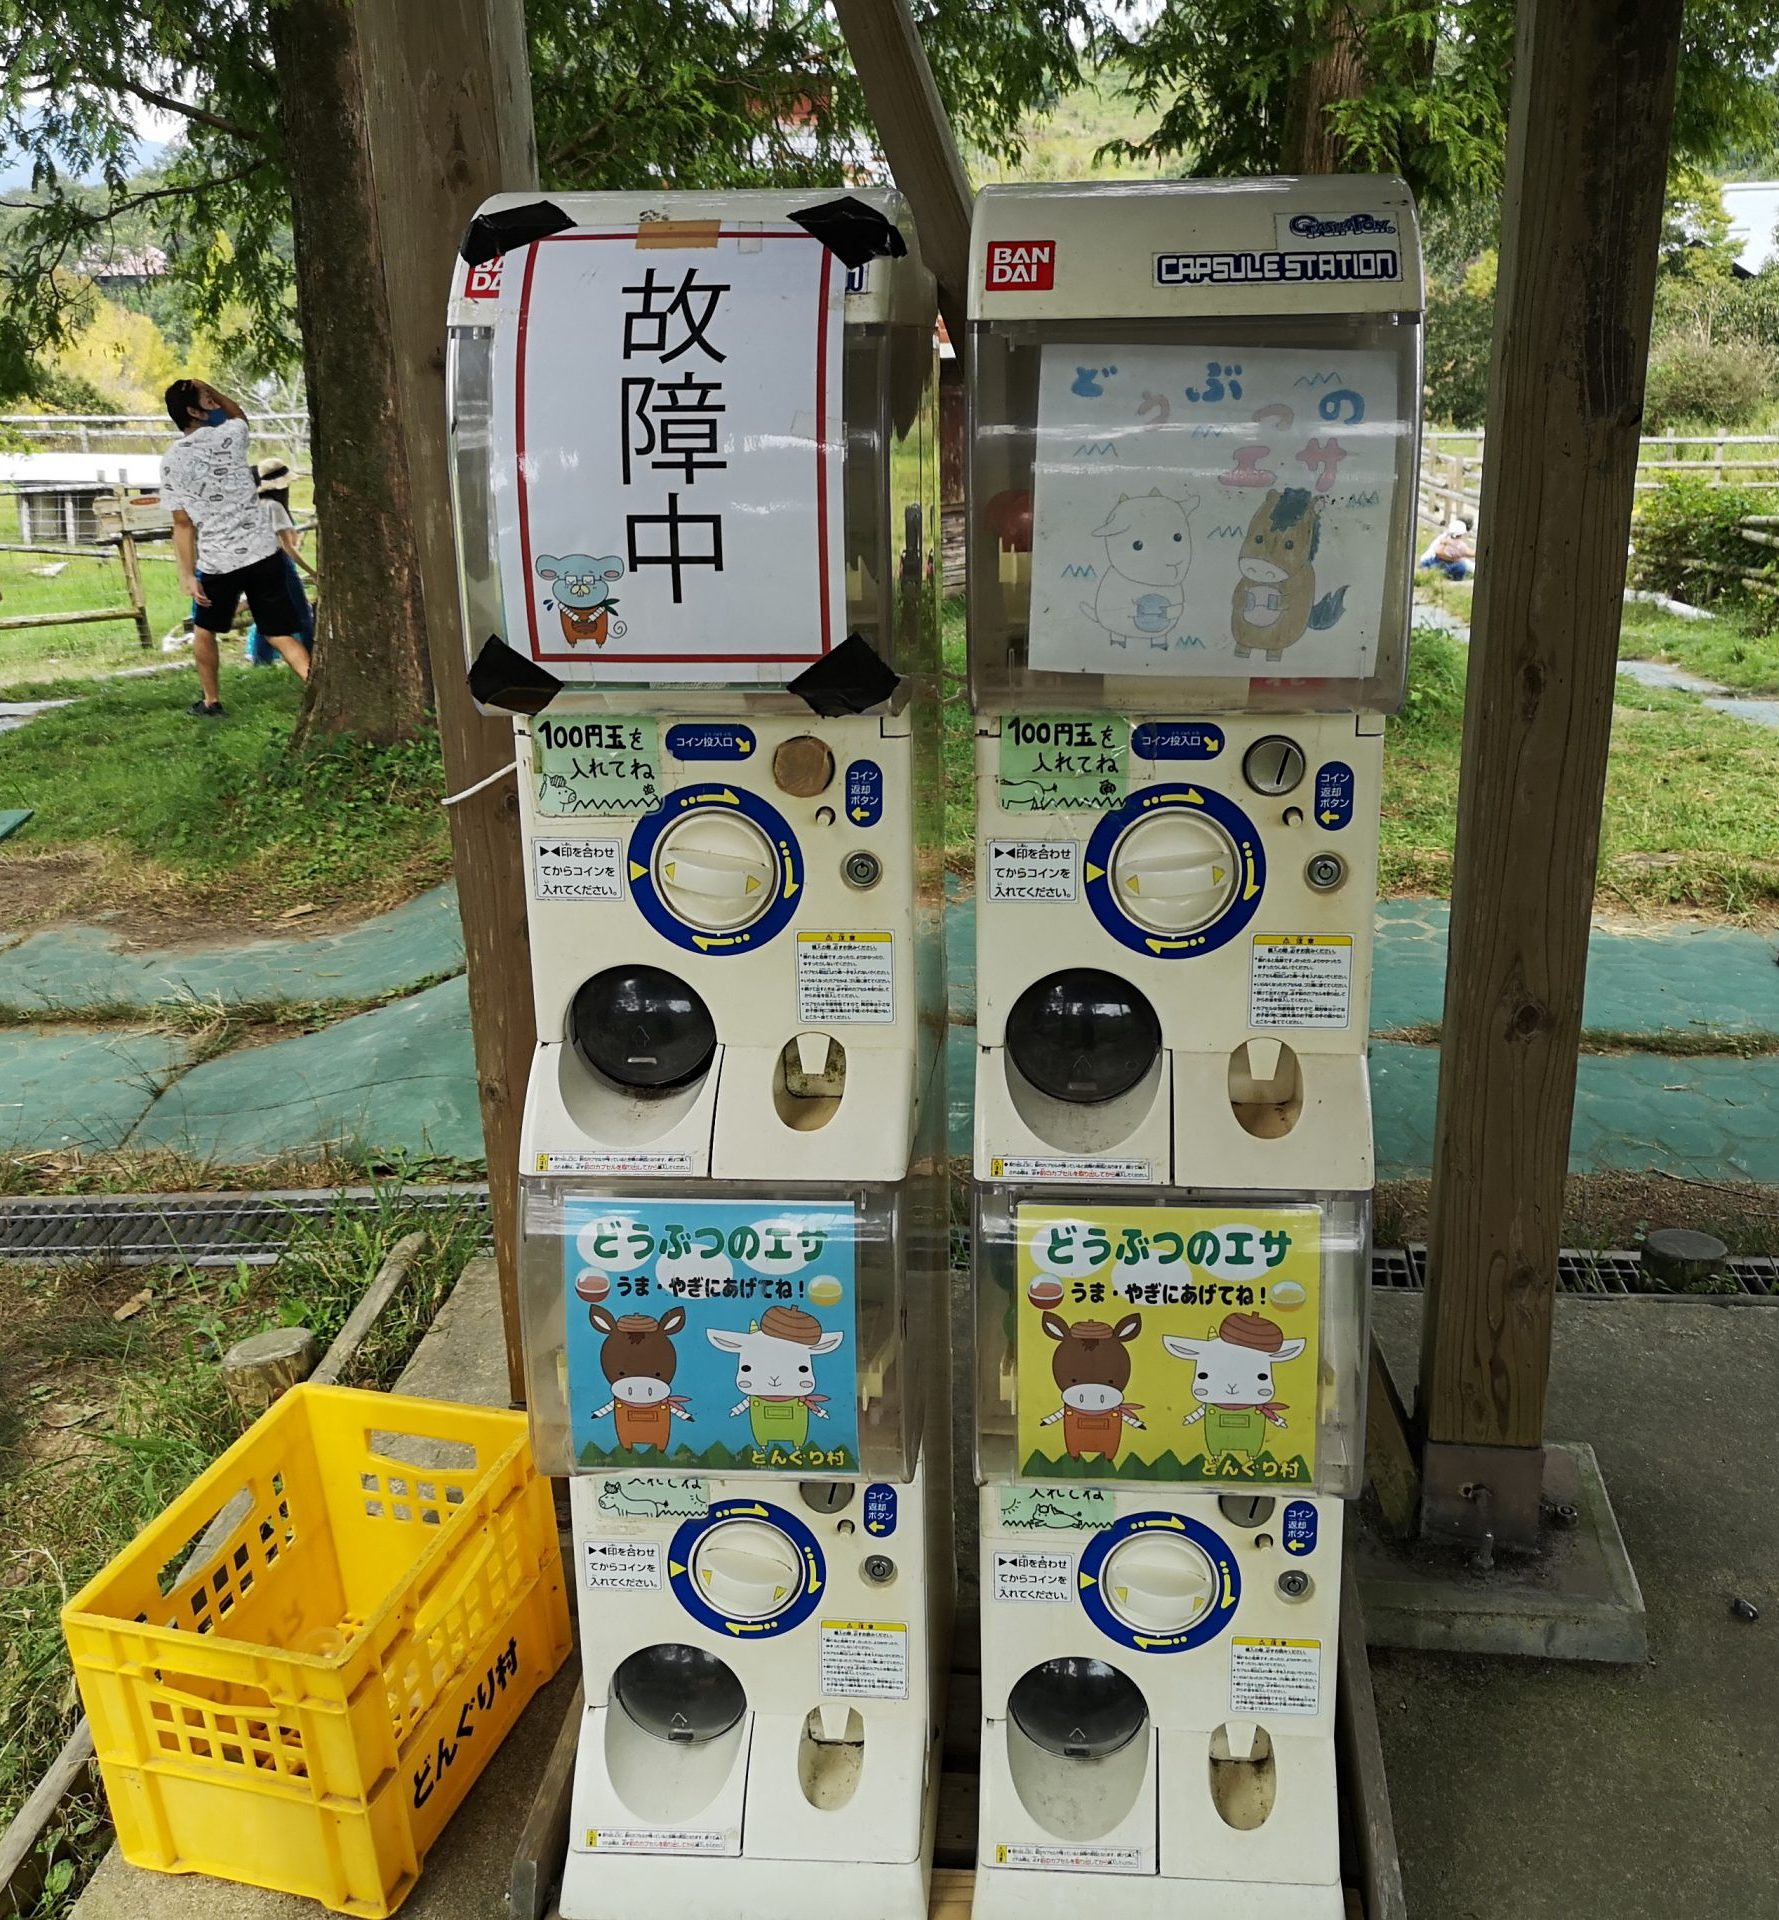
x=206 y=474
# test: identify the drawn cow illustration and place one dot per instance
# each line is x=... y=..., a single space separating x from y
x=1148 y=550
x=583 y=594
x=1275 y=602
x=638 y=1358
x=775 y=1370
x=1091 y=1366
x=1232 y=1380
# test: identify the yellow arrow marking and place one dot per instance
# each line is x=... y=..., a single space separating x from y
x=859 y=813
x=637 y=870
x=1173 y=1521
x=1215 y=745
x=752 y=885
x=1329 y=816
x=1194 y=797
x=704 y=942
x=1095 y=873
x=761 y=1511
x=674 y=1567
x=1253 y=886
x=744 y=746
x=1216 y=876
x=1086 y=1579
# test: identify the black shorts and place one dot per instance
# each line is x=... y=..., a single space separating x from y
x=266 y=583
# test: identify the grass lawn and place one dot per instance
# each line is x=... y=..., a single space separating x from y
x=1722 y=649
x=103 y=1421
x=198 y=821
x=1689 y=796
x=35 y=655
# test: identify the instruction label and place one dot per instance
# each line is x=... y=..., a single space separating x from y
x=865 y=1657
x=577 y=870
x=846 y=979
x=1071 y=1859
x=1034 y=870
x=1034 y=1576
x=596 y=766
x=1024 y=1166
x=658 y=1840
x=649 y=1164
x=622 y=1566
x=1301 y=980
x=1275 y=1676
x=1064 y=763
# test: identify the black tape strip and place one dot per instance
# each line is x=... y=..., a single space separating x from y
x=501 y=677
x=852 y=230
x=851 y=679
x=489 y=235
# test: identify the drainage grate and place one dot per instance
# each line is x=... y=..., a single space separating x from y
x=200 y=1229
x=1588 y=1274
x=221 y=1229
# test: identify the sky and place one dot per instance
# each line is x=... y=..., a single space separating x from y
x=153 y=130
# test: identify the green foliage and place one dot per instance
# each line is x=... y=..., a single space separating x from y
x=1460 y=337
x=1225 y=78
x=1685 y=542
x=1694 y=379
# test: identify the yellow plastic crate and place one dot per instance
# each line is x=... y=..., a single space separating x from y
x=379 y=1596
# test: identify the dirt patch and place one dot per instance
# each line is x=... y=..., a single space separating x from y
x=39 y=887
x=1604 y=1210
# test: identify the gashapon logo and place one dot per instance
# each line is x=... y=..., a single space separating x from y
x=1020 y=266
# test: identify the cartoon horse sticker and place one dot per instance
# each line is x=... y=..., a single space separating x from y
x=583 y=594
x=1275 y=598
x=1091 y=1367
x=638 y=1358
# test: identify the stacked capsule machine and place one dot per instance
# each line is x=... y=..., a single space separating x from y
x=1191 y=497
x=694 y=461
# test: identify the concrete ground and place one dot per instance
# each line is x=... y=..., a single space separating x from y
x=1528 y=1790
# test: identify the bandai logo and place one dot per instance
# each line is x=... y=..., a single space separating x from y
x=483 y=282
x=1020 y=266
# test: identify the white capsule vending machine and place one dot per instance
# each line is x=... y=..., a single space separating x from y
x=695 y=482
x=1192 y=463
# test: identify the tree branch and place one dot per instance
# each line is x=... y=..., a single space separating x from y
x=169 y=104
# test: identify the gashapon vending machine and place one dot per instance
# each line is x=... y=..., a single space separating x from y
x=694 y=458
x=1192 y=460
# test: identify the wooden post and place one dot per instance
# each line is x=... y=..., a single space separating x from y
x=448 y=117
x=132 y=566
x=916 y=133
x=1592 y=108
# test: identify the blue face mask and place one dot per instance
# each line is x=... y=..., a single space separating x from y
x=215 y=417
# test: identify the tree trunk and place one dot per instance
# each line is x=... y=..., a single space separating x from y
x=1308 y=141
x=371 y=676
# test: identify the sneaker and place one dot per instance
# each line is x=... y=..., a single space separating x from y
x=206 y=709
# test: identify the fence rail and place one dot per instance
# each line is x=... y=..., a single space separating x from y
x=145 y=432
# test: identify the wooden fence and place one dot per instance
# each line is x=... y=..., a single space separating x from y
x=1451 y=466
x=138 y=432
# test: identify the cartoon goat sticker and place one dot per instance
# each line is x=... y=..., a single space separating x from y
x=1275 y=598
x=583 y=594
x=1232 y=1381
x=1148 y=549
x=775 y=1370
x=1091 y=1366
x=638 y=1358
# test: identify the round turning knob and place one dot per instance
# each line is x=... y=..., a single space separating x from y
x=716 y=870
x=747 y=1569
x=1174 y=871
x=1157 y=1583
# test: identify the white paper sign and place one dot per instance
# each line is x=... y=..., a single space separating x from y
x=846 y=979
x=1268 y=1677
x=868 y=1658
x=668 y=456
x=1034 y=870
x=1301 y=980
x=622 y=1566
x=1212 y=512
x=1025 y=1574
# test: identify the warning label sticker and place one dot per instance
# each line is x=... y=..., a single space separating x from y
x=1301 y=980
x=1072 y=1859
x=865 y=1657
x=1033 y=870
x=1021 y=1166
x=1275 y=1676
x=846 y=978
x=622 y=1566
x=659 y=1840
x=1034 y=1576
x=642 y=1163
x=577 y=870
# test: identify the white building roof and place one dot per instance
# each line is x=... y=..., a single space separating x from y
x=1753 y=207
x=81 y=469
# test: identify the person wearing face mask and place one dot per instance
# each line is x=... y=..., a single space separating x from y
x=227 y=550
